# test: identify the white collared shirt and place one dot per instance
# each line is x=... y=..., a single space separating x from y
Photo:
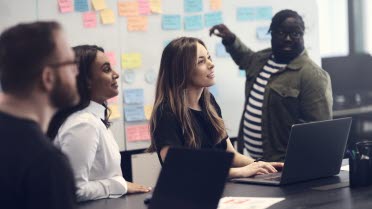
x=93 y=154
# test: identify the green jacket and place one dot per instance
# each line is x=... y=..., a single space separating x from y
x=299 y=93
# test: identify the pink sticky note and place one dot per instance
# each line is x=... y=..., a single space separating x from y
x=113 y=100
x=144 y=7
x=90 y=19
x=65 y=6
x=137 y=133
x=111 y=57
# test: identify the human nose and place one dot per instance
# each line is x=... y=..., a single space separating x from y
x=210 y=64
x=115 y=75
x=287 y=37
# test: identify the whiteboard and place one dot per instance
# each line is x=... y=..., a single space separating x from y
x=229 y=88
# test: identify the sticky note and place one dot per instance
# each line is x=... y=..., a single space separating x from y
x=148 y=111
x=264 y=13
x=215 y=4
x=213 y=90
x=213 y=18
x=133 y=96
x=245 y=14
x=221 y=50
x=242 y=73
x=128 y=9
x=111 y=57
x=115 y=111
x=113 y=100
x=81 y=5
x=193 y=6
x=99 y=4
x=65 y=6
x=89 y=19
x=144 y=7
x=107 y=16
x=155 y=6
x=134 y=113
x=137 y=23
x=131 y=60
x=262 y=33
x=135 y=133
x=193 y=22
x=171 y=22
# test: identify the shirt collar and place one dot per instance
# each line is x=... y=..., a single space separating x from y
x=96 y=109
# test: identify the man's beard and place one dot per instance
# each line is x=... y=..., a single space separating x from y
x=63 y=96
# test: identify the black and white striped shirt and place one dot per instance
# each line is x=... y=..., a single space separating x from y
x=252 y=128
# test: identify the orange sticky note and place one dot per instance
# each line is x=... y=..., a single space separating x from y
x=128 y=9
x=99 y=4
x=155 y=6
x=144 y=7
x=65 y=6
x=115 y=113
x=89 y=19
x=107 y=16
x=111 y=56
x=215 y=4
x=138 y=23
x=137 y=133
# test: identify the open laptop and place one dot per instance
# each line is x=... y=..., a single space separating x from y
x=192 y=179
x=314 y=150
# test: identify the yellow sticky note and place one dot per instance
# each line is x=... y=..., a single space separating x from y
x=99 y=4
x=131 y=60
x=107 y=16
x=128 y=9
x=215 y=4
x=148 y=111
x=155 y=6
x=115 y=113
x=138 y=23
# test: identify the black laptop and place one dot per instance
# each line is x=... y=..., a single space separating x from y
x=192 y=179
x=314 y=150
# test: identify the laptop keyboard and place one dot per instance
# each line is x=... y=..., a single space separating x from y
x=270 y=176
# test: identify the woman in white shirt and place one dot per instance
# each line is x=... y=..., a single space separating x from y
x=82 y=131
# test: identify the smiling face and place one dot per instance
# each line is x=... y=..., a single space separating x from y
x=103 y=82
x=203 y=75
x=287 y=40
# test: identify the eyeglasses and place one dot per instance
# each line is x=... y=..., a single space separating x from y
x=61 y=64
x=293 y=34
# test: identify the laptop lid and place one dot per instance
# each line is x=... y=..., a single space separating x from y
x=191 y=179
x=314 y=150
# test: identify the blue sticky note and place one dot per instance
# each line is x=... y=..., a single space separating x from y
x=264 y=13
x=193 y=6
x=166 y=42
x=133 y=96
x=171 y=22
x=193 y=22
x=81 y=5
x=213 y=89
x=241 y=72
x=134 y=113
x=245 y=14
x=221 y=51
x=262 y=33
x=213 y=18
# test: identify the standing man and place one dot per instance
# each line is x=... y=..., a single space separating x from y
x=283 y=86
x=38 y=76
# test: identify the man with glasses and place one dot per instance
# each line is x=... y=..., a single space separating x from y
x=38 y=76
x=283 y=86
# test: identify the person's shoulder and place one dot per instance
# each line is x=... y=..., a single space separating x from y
x=80 y=118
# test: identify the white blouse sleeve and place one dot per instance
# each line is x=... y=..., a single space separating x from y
x=80 y=143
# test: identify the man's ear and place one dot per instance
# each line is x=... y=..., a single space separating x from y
x=48 y=78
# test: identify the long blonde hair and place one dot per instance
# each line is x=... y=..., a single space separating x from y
x=178 y=61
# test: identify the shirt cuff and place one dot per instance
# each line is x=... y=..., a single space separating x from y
x=117 y=186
